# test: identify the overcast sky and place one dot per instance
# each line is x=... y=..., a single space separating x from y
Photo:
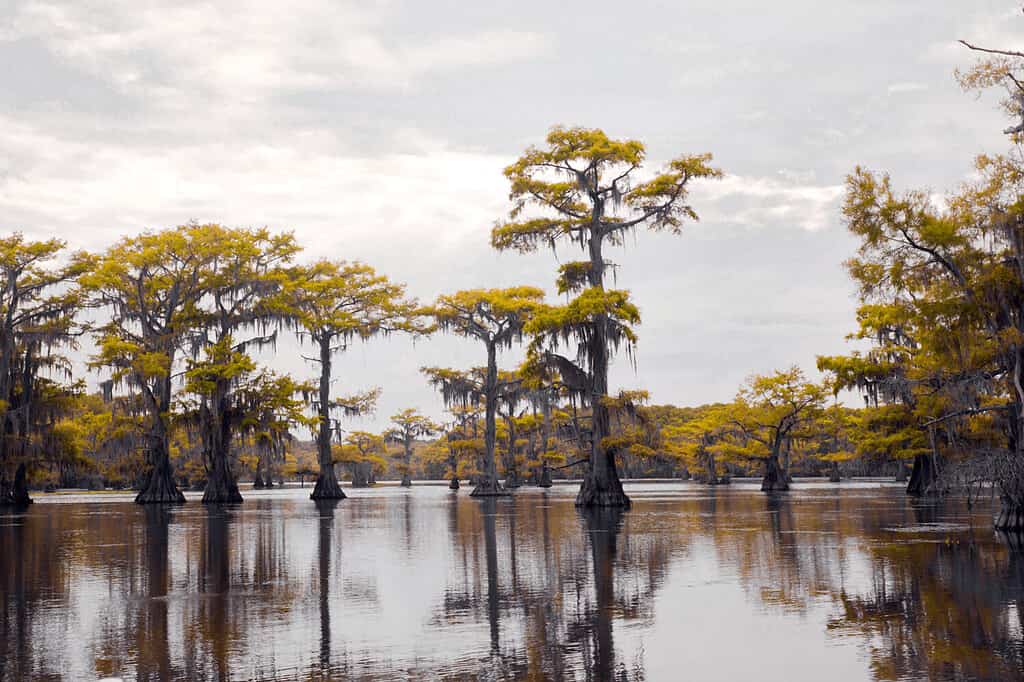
x=378 y=132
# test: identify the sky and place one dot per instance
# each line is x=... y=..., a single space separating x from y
x=378 y=131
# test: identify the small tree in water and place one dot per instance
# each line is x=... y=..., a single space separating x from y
x=496 y=317
x=409 y=425
x=582 y=187
x=770 y=411
x=363 y=452
x=330 y=304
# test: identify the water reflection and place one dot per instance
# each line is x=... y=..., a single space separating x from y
x=693 y=582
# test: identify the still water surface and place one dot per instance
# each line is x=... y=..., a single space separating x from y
x=848 y=582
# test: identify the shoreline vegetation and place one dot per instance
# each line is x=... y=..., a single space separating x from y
x=178 y=315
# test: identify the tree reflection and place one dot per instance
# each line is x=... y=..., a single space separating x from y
x=524 y=588
x=602 y=527
x=938 y=610
x=151 y=634
x=325 y=527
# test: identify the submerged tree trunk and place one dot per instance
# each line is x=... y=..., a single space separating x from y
x=159 y=486
x=511 y=469
x=923 y=475
x=710 y=469
x=19 y=496
x=454 y=483
x=545 y=476
x=775 y=479
x=361 y=474
x=833 y=473
x=407 y=474
x=327 y=487
x=488 y=484
x=601 y=486
x=1010 y=516
x=221 y=486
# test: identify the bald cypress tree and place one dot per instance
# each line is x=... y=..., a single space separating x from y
x=241 y=307
x=38 y=304
x=582 y=188
x=409 y=425
x=495 y=317
x=330 y=304
x=151 y=286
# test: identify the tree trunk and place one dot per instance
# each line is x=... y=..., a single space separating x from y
x=19 y=488
x=923 y=475
x=1010 y=516
x=833 y=473
x=711 y=469
x=601 y=486
x=545 y=476
x=326 y=487
x=261 y=465
x=221 y=486
x=160 y=487
x=488 y=484
x=454 y=483
x=361 y=474
x=511 y=470
x=407 y=474
x=774 y=477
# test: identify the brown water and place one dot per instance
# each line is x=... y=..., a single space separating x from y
x=846 y=582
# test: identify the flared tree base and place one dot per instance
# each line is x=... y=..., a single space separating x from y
x=258 y=484
x=362 y=476
x=775 y=479
x=453 y=484
x=327 y=488
x=593 y=494
x=489 y=488
x=1010 y=517
x=221 y=490
x=512 y=481
x=160 y=489
x=922 y=477
x=15 y=493
x=406 y=481
x=545 y=478
x=776 y=485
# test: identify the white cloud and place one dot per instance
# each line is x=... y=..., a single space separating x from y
x=759 y=202
x=93 y=193
x=237 y=50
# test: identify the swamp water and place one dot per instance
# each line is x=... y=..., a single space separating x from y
x=827 y=582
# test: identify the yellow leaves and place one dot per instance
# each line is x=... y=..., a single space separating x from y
x=491 y=315
x=412 y=424
x=340 y=300
x=584 y=309
x=527 y=235
x=581 y=178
